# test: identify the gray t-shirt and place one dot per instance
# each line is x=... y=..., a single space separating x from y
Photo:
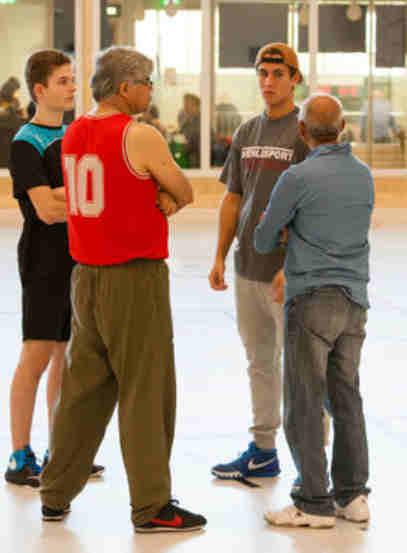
x=261 y=150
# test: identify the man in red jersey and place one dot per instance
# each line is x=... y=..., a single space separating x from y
x=121 y=185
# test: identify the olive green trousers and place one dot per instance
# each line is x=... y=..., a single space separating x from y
x=121 y=352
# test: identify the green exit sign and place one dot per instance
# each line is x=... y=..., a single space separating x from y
x=164 y=3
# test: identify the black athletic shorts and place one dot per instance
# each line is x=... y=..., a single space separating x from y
x=45 y=268
x=46 y=311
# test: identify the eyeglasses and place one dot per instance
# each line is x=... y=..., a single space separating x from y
x=147 y=81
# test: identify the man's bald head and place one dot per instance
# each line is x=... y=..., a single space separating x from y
x=322 y=116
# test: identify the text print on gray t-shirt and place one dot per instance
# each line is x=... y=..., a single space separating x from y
x=262 y=148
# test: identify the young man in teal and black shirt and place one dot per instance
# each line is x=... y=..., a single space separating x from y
x=43 y=257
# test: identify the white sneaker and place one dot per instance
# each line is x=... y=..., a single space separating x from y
x=356 y=511
x=291 y=516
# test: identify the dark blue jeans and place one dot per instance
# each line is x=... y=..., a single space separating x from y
x=324 y=334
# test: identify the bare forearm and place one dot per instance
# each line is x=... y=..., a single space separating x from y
x=183 y=194
x=54 y=212
x=183 y=202
x=59 y=193
x=228 y=220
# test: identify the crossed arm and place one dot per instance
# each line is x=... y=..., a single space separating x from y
x=49 y=203
x=148 y=152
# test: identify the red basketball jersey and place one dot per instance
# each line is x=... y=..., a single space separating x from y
x=112 y=212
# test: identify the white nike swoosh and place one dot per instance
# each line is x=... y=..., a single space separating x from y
x=254 y=466
x=12 y=464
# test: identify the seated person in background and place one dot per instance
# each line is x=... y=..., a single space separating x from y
x=10 y=118
x=189 y=120
x=8 y=94
x=347 y=135
x=385 y=127
x=228 y=119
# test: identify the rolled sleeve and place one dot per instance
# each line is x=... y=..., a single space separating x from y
x=279 y=212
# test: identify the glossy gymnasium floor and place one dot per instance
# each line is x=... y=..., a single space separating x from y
x=213 y=414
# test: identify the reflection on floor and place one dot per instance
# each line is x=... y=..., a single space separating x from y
x=213 y=415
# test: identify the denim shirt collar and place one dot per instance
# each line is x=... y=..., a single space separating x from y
x=342 y=148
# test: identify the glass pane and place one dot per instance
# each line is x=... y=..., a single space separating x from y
x=16 y=106
x=345 y=73
x=17 y=45
x=299 y=31
x=389 y=92
x=64 y=35
x=171 y=36
x=240 y=30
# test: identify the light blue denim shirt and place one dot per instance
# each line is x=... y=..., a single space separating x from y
x=326 y=202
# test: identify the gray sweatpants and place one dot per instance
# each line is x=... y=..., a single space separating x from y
x=260 y=323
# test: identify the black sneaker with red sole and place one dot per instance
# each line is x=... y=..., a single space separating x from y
x=172 y=518
x=57 y=515
x=97 y=471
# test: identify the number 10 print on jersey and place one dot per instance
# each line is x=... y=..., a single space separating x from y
x=89 y=169
x=112 y=214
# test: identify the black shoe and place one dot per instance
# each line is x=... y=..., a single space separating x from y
x=23 y=477
x=54 y=514
x=23 y=468
x=96 y=472
x=172 y=518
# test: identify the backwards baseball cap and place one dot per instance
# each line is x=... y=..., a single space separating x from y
x=278 y=52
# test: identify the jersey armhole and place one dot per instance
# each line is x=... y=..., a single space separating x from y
x=141 y=175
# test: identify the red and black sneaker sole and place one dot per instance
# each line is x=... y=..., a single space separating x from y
x=158 y=529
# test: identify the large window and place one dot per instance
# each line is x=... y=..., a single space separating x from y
x=174 y=43
x=16 y=46
x=51 y=24
x=203 y=53
x=171 y=35
x=241 y=28
x=362 y=61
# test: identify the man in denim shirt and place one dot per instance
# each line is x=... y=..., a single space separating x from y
x=326 y=202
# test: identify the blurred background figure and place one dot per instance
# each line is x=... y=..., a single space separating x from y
x=11 y=117
x=189 y=121
x=227 y=120
x=8 y=94
x=385 y=128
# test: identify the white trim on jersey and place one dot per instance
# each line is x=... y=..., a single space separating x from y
x=133 y=171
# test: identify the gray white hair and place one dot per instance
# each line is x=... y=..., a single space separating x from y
x=116 y=65
x=319 y=127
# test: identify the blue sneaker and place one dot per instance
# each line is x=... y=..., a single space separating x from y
x=255 y=463
x=23 y=468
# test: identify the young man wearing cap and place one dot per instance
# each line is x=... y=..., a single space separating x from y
x=261 y=150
